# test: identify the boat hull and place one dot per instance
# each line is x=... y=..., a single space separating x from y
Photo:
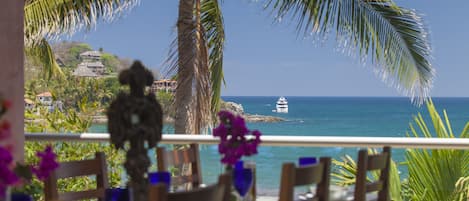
x=282 y=110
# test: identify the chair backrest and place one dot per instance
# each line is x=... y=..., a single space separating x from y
x=96 y=166
x=377 y=162
x=304 y=175
x=217 y=192
x=177 y=158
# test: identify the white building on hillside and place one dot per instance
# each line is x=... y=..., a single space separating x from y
x=90 y=60
x=28 y=104
x=45 y=100
x=91 y=56
x=164 y=85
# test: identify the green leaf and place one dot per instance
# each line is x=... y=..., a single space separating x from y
x=24 y=171
x=437 y=175
x=394 y=38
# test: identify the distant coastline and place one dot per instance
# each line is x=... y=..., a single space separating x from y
x=237 y=108
x=230 y=106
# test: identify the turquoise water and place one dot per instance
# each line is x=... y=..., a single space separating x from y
x=325 y=116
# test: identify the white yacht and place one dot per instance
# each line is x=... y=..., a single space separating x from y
x=282 y=105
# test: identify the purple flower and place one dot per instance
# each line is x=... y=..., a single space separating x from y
x=7 y=176
x=3 y=189
x=220 y=131
x=46 y=165
x=236 y=140
x=238 y=127
x=225 y=116
x=5 y=156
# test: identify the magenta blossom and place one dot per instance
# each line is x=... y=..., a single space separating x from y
x=46 y=165
x=11 y=173
x=236 y=140
x=7 y=176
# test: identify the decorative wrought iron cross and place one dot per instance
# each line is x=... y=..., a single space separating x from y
x=135 y=122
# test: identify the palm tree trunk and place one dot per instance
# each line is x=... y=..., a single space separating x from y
x=183 y=122
x=202 y=112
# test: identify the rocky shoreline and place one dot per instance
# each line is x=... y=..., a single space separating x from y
x=252 y=118
x=230 y=106
x=262 y=118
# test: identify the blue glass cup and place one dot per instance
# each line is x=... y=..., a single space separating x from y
x=242 y=180
x=239 y=165
x=20 y=197
x=117 y=194
x=302 y=161
x=160 y=177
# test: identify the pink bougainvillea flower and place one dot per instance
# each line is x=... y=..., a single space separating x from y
x=46 y=165
x=225 y=116
x=3 y=189
x=236 y=140
x=5 y=156
x=7 y=176
x=220 y=131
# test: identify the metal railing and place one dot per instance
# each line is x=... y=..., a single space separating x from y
x=269 y=140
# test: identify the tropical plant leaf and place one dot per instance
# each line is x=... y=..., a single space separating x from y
x=212 y=22
x=41 y=53
x=437 y=175
x=395 y=38
x=51 y=18
x=462 y=189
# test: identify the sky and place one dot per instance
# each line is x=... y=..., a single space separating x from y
x=264 y=57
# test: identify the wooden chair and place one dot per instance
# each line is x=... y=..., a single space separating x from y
x=379 y=162
x=217 y=192
x=312 y=174
x=96 y=166
x=177 y=158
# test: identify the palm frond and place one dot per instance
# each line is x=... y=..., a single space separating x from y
x=462 y=189
x=212 y=22
x=51 y=18
x=41 y=54
x=395 y=38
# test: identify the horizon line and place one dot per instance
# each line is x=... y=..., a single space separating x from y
x=339 y=96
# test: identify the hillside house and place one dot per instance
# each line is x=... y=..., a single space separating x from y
x=164 y=85
x=91 y=65
x=28 y=104
x=45 y=100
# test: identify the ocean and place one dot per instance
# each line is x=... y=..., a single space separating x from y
x=327 y=116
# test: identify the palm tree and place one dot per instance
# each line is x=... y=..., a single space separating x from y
x=198 y=61
x=393 y=37
x=49 y=19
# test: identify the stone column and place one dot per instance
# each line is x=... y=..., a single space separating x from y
x=11 y=67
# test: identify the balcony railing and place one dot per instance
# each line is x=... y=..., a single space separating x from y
x=291 y=140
